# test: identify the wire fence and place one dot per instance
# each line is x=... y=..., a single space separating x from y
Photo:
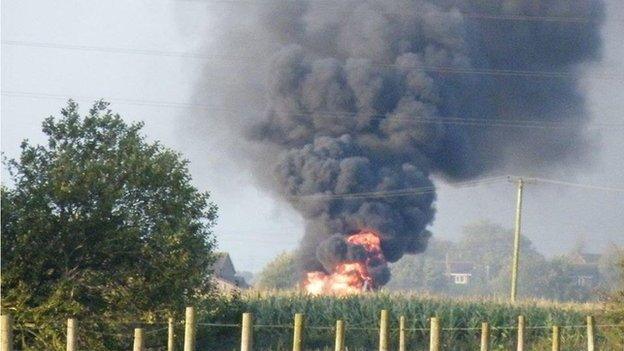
x=155 y=336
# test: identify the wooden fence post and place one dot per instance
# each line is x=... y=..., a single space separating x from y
x=340 y=336
x=402 y=333
x=434 y=335
x=556 y=338
x=383 y=331
x=485 y=336
x=298 y=332
x=138 y=340
x=189 y=329
x=247 y=332
x=170 y=335
x=591 y=343
x=72 y=325
x=6 y=333
x=520 y=333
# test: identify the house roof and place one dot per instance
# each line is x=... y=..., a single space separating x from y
x=221 y=259
x=223 y=266
x=584 y=258
x=591 y=258
x=460 y=267
x=223 y=270
x=586 y=269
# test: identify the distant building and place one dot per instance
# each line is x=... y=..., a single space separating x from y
x=459 y=272
x=586 y=271
x=224 y=274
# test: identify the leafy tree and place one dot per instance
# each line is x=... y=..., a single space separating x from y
x=102 y=225
x=422 y=272
x=490 y=247
x=611 y=269
x=281 y=273
x=614 y=308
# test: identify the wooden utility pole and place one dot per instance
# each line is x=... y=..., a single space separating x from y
x=516 y=253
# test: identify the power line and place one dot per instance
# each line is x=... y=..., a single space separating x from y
x=476 y=122
x=424 y=68
x=432 y=189
x=401 y=192
x=578 y=185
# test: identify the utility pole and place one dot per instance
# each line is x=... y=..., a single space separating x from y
x=516 y=253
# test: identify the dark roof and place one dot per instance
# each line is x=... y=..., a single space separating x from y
x=221 y=259
x=586 y=269
x=223 y=266
x=460 y=267
x=590 y=258
x=223 y=269
x=583 y=258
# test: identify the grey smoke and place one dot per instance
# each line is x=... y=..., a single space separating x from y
x=346 y=99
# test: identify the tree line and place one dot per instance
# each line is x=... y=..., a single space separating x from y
x=483 y=253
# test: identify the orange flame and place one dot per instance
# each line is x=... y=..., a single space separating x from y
x=350 y=277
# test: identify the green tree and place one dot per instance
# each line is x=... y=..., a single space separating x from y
x=610 y=269
x=490 y=247
x=422 y=272
x=102 y=225
x=281 y=273
x=614 y=307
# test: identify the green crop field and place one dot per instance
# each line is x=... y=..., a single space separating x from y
x=218 y=321
x=460 y=320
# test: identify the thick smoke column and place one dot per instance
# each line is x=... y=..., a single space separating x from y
x=359 y=99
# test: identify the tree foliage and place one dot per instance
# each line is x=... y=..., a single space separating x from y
x=100 y=224
x=489 y=247
x=281 y=273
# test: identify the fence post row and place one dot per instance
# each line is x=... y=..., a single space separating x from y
x=72 y=325
x=189 y=329
x=434 y=337
x=139 y=344
x=247 y=332
x=383 y=331
x=298 y=332
x=520 y=341
x=6 y=333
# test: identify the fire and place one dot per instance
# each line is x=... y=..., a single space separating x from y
x=349 y=277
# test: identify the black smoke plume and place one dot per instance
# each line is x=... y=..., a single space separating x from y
x=373 y=96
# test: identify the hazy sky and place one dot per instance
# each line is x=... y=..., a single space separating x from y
x=252 y=226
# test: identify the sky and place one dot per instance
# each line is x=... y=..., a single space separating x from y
x=146 y=83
